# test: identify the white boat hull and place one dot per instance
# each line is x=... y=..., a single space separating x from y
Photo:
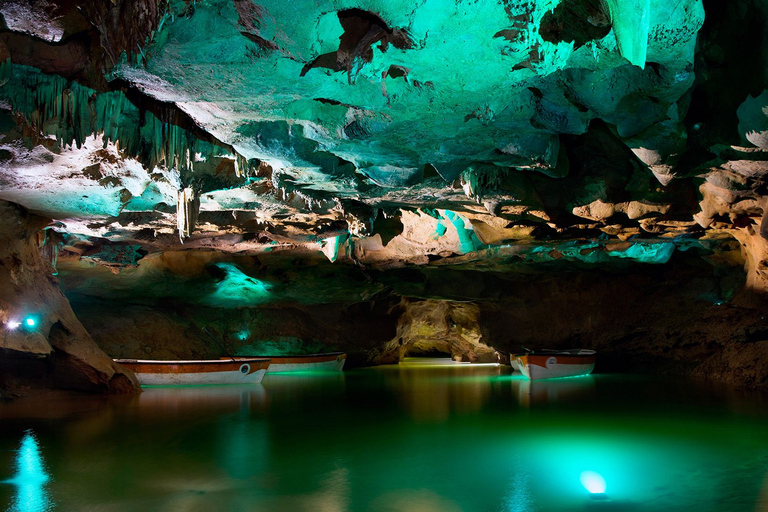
x=333 y=362
x=334 y=366
x=535 y=372
x=552 y=366
x=189 y=373
x=190 y=379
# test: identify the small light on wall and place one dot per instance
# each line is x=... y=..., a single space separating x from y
x=30 y=321
x=11 y=325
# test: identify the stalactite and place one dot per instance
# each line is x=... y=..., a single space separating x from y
x=50 y=243
x=476 y=183
x=187 y=208
x=72 y=113
x=242 y=167
x=334 y=246
x=631 y=20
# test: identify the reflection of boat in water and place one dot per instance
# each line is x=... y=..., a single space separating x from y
x=331 y=361
x=182 y=401
x=224 y=371
x=555 y=391
x=549 y=364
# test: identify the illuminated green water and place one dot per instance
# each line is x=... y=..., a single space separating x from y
x=415 y=438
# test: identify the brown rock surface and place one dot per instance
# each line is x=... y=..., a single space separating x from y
x=431 y=326
x=741 y=364
x=57 y=351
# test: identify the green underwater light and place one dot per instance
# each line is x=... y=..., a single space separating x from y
x=29 y=321
x=565 y=377
x=593 y=482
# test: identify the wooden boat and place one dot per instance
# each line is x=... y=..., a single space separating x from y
x=550 y=364
x=331 y=361
x=215 y=371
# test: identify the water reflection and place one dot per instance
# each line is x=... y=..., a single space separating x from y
x=762 y=499
x=446 y=437
x=284 y=388
x=30 y=479
x=162 y=402
x=421 y=500
x=333 y=495
x=553 y=391
x=433 y=389
x=219 y=452
x=519 y=497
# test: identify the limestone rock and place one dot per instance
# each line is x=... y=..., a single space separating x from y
x=753 y=120
x=739 y=364
x=431 y=327
x=54 y=334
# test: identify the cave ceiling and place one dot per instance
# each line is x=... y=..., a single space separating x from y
x=386 y=131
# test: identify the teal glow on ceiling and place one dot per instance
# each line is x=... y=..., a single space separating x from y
x=391 y=86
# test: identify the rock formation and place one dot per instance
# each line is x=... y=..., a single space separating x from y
x=43 y=343
x=385 y=178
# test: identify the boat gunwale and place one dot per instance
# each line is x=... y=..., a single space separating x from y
x=331 y=355
x=192 y=361
x=580 y=352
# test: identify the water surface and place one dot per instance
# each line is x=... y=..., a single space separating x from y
x=413 y=437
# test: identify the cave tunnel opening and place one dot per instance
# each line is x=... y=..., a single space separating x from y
x=422 y=351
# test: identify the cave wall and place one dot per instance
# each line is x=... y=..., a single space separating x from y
x=56 y=351
x=202 y=304
x=679 y=316
x=187 y=331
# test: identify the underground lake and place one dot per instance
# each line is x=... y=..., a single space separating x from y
x=407 y=437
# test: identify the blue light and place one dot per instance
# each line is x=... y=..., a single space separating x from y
x=29 y=321
x=29 y=463
x=593 y=482
x=30 y=478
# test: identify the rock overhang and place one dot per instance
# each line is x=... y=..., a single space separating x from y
x=477 y=82
x=265 y=125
